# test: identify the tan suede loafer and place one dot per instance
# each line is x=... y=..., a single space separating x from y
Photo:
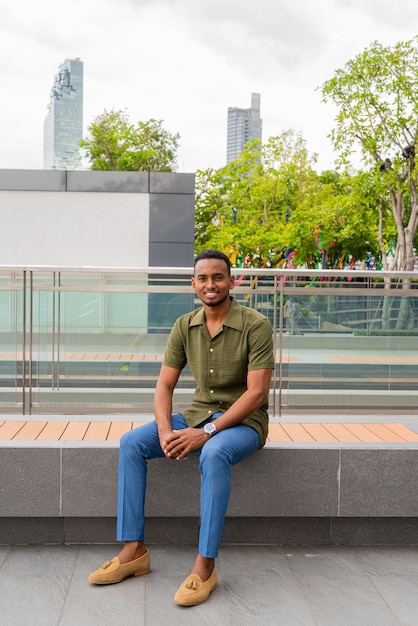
x=114 y=571
x=193 y=591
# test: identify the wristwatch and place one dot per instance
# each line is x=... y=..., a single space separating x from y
x=210 y=429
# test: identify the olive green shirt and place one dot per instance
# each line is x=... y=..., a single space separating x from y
x=220 y=364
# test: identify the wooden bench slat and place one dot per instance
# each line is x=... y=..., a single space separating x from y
x=75 y=431
x=296 y=432
x=340 y=432
x=364 y=434
x=52 y=431
x=374 y=359
x=117 y=429
x=10 y=429
x=319 y=432
x=403 y=431
x=30 y=431
x=277 y=433
x=385 y=433
x=97 y=431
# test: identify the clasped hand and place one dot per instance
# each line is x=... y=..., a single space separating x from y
x=178 y=443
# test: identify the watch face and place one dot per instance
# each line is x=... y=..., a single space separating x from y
x=210 y=429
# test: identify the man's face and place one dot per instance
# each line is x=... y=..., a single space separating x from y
x=211 y=281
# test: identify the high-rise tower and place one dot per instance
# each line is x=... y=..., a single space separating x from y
x=63 y=126
x=243 y=125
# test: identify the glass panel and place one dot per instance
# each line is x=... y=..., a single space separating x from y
x=102 y=348
x=11 y=342
x=357 y=358
x=93 y=341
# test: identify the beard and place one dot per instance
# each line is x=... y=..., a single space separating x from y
x=213 y=304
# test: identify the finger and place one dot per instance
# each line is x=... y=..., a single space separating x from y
x=174 y=449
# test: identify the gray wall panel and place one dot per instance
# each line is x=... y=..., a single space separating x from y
x=89 y=482
x=111 y=182
x=285 y=531
x=33 y=180
x=32 y=530
x=372 y=531
x=90 y=530
x=173 y=488
x=379 y=483
x=177 y=530
x=169 y=182
x=169 y=233
x=171 y=255
x=274 y=476
x=30 y=482
x=171 y=218
x=277 y=530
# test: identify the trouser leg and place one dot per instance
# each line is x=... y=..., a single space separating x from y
x=217 y=457
x=136 y=448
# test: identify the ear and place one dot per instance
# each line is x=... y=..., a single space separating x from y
x=231 y=282
x=193 y=284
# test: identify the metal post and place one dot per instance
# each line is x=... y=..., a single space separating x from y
x=281 y=345
x=30 y=339
x=24 y=342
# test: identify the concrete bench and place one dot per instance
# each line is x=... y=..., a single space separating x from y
x=313 y=483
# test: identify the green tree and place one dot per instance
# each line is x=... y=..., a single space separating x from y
x=335 y=222
x=271 y=206
x=377 y=102
x=114 y=143
x=244 y=208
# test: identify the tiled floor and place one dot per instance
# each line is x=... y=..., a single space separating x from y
x=258 y=585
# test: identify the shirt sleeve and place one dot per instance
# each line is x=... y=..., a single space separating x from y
x=261 y=355
x=175 y=354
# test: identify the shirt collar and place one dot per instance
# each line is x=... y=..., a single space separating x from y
x=233 y=319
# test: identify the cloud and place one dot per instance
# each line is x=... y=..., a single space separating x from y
x=185 y=62
x=258 y=36
x=396 y=15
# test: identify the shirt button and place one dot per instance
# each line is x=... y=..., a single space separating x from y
x=209 y=412
x=211 y=390
x=210 y=371
x=210 y=349
x=221 y=401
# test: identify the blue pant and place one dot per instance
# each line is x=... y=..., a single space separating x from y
x=216 y=459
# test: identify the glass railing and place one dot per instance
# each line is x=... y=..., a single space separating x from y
x=91 y=341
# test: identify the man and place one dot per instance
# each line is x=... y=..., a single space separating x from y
x=229 y=350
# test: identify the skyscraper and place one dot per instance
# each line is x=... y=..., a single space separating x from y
x=63 y=126
x=243 y=125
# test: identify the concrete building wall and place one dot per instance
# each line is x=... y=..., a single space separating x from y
x=110 y=219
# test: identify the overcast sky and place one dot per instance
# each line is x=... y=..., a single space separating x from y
x=185 y=62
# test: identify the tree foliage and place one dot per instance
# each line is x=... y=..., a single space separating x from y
x=270 y=208
x=376 y=95
x=114 y=143
x=334 y=224
x=244 y=207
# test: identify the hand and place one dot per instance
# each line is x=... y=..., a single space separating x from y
x=179 y=443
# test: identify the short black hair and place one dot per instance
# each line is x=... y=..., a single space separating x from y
x=214 y=254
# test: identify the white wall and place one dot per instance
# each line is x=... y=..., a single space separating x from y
x=74 y=228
